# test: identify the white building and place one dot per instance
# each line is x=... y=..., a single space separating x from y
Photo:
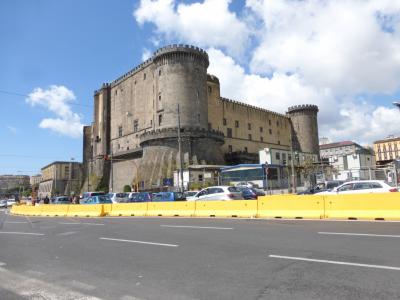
x=349 y=160
x=281 y=165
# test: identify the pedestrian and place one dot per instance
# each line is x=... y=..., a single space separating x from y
x=46 y=200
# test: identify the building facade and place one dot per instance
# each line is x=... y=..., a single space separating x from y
x=387 y=150
x=350 y=161
x=134 y=137
x=35 y=180
x=10 y=182
x=60 y=178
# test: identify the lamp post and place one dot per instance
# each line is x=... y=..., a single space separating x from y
x=20 y=184
x=180 y=152
x=70 y=176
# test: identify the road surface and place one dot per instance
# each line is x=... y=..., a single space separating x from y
x=183 y=258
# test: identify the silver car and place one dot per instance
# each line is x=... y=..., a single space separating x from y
x=3 y=203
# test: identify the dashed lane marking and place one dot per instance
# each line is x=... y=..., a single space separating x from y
x=335 y=262
x=359 y=234
x=15 y=222
x=20 y=233
x=199 y=227
x=67 y=233
x=138 y=242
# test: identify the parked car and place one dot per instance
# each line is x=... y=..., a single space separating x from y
x=99 y=199
x=141 y=197
x=247 y=193
x=190 y=193
x=10 y=202
x=168 y=196
x=326 y=186
x=361 y=187
x=217 y=193
x=118 y=197
x=89 y=194
x=3 y=203
x=61 y=200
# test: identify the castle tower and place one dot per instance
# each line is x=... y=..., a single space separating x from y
x=96 y=144
x=180 y=77
x=304 y=128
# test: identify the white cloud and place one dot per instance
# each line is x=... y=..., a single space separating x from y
x=365 y=122
x=276 y=93
x=205 y=24
x=12 y=129
x=146 y=54
x=329 y=53
x=343 y=45
x=57 y=99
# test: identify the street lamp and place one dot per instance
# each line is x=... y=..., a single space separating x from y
x=70 y=177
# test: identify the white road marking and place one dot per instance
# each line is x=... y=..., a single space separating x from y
x=67 y=233
x=2 y=264
x=33 y=273
x=139 y=242
x=336 y=262
x=200 y=227
x=20 y=233
x=28 y=287
x=359 y=234
x=72 y=223
x=16 y=222
x=81 y=285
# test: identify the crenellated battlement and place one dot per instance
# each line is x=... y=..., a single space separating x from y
x=178 y=53
x=212 y=78
x=186 y=132
x=252 y=107
x=303 y=107
x=103 y=86
x=136 y=69
x=180 y=48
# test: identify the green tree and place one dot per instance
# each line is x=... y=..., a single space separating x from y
x=127 y=189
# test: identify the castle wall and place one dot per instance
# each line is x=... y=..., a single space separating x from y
x=132 y=102
x=267 y=128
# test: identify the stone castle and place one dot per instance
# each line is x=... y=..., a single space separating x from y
x=133 y=138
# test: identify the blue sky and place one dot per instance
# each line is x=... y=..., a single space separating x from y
x=268 y=53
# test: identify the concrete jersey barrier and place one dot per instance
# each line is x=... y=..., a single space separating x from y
x=355 y=206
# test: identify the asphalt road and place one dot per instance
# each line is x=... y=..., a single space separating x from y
x=182 y=258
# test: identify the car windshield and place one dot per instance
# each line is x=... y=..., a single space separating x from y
x=233 y=189
x=189 y=194
x=104 y=199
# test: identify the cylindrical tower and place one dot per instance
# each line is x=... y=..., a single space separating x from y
x=180 y=76
x=304 y=128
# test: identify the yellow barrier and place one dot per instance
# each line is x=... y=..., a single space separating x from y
x=107 y=209
x=17 y=209
x=363 y=206
x=128 y=209
x=234 y=208
x=85 y=210
x=171 y=209
x=299 y=207
x=54 y=210
x=355 y=206
x=26 y=210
